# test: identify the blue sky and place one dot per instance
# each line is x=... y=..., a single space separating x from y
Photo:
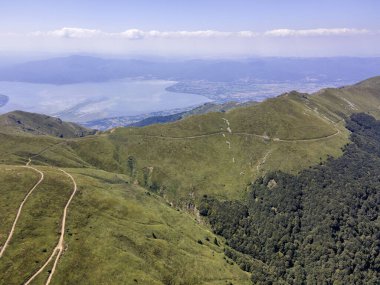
x=328 y=28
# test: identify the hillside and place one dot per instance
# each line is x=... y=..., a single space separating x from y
x=319 y=226
x=116 y=232
x=363 y=96
x=36 y=124
x=136 y=192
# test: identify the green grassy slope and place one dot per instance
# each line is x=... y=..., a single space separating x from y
x=15 y=183
x=36 y=124
x=37 y=230
x=361 y=97
x=116 y=233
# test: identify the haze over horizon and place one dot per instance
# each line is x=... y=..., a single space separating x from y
x=197 y=29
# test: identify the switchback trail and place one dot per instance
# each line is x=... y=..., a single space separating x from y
x=58 y=250
x=22 y=205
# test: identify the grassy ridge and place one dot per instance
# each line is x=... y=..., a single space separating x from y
x=361 y=97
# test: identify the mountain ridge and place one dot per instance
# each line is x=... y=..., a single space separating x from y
x=36 y=124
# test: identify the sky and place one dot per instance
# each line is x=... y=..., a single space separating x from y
x=191 y=28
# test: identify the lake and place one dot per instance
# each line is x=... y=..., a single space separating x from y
x=90 y=101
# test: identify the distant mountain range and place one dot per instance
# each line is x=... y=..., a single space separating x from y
x=76 y=69
x=3 y=100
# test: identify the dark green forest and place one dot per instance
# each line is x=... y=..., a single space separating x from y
x=318 y=227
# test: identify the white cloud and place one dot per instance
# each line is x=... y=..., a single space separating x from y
x=316 y=32
x=136 y=34
x=200 y=34
x=132 y=34
x=247 y=34
x=139 y=34
x=279 y=42
x=76 y=33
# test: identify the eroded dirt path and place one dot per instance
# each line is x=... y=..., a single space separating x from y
x=58 y=250
x=262 y=161
x=21 y=206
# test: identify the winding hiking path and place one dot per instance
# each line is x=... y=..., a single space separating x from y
x=22 y=205
x=58 y=250
x=240 y=134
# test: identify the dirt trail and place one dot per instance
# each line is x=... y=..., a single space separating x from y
x=58 y=250
x=240 y=134
x=21 y=206
x=263 y=160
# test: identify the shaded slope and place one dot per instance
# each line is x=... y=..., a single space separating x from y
x=36 y=124
x=321 y=226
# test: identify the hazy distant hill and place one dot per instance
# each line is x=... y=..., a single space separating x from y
x=3 y=100
x=36 y=124
x=76 y=69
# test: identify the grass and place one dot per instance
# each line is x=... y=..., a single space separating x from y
x=15 y=184
x=37 y=231
x=116 y=233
